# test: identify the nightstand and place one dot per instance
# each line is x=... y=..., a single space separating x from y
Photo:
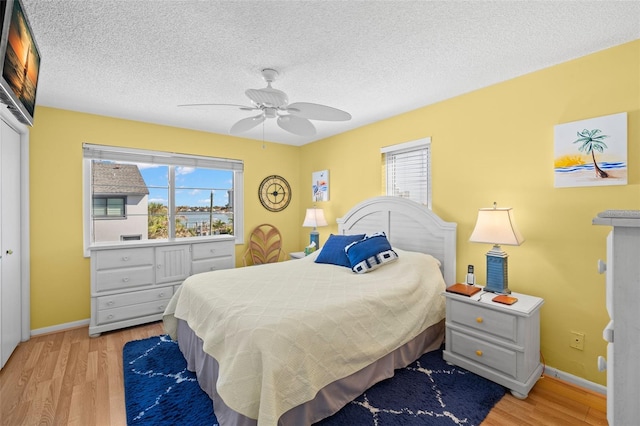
x=496 y=341
x=297 y=255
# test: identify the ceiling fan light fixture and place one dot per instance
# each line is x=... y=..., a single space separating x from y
x=270 y=112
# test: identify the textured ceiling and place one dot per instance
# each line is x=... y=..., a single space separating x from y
x=140 y=59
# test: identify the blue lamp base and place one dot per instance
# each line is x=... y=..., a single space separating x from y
x=314 y=237
x=497 y=277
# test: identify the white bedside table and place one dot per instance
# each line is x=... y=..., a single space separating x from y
x=297 y=255
x=496 y=341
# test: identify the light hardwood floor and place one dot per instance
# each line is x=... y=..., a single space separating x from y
x=68 y=378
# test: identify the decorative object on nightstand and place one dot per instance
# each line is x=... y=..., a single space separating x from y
x=314 y=218
x=496 y=226
x=496 y=341
x=464 y=289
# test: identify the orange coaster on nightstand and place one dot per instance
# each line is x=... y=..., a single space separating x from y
x=503 y=298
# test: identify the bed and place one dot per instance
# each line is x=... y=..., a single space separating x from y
x=291 y=343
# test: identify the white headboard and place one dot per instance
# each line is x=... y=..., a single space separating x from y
x=409 y=226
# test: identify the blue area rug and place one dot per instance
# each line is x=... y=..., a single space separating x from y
x=159 y=390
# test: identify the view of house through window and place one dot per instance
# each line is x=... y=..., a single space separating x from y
x=138 y=200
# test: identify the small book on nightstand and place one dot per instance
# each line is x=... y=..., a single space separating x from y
x=464 y=289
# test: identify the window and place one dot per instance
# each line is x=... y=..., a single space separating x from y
x=105 y=207
x=159 y=195
x=407 y=170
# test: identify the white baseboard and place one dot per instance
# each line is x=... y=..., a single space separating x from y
x=60 y=327
x=575 y=380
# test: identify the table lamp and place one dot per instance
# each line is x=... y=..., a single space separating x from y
x=496 y=226
x=314 y=218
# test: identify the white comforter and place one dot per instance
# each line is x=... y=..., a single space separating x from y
x=281 y=332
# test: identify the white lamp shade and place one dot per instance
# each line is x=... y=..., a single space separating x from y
x=496 y=226
x=314 y=218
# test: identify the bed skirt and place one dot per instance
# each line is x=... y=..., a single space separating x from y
x=328 y=400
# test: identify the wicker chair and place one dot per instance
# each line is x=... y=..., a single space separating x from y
x=265 y=245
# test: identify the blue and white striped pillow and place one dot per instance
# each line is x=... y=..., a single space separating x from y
x=370 y=253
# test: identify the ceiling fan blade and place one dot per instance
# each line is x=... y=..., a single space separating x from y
x=296 y=125
x=268 y=96
x=246 y=124
x=242 y=107
x=317 y=112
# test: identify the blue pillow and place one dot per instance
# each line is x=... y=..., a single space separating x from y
x=333 y=250
x=370 y=253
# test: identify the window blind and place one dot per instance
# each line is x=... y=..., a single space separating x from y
x=113 y=153
x=408 y=170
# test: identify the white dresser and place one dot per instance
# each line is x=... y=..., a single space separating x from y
x=496 y=341
x=622 y=302
x=132 y=283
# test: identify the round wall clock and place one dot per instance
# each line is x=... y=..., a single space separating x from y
x=274 y=193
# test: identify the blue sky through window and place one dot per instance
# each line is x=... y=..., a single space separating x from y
x=193 y=185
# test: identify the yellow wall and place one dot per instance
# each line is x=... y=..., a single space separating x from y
x=496 y=144
x=59 y=272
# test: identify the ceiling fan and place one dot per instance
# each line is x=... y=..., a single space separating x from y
x=274 y=103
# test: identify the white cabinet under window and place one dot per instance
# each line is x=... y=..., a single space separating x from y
x=131 y=284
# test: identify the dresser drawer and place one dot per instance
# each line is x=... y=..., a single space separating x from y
x=208 y=265
x=481 y=352
x=133 y=298
x=124 y=258
x=211 y=250
x=114 y=279
x=483 y=319
x=132 y=311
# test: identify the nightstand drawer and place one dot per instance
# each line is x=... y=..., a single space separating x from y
x=480 y=352
x=482 y=319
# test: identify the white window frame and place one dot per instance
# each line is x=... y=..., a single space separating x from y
x=95 y=152
x=401 y=148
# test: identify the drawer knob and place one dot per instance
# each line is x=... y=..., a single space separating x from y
x=161 y=308
x=161 y=294
x=125 y=279
x=110 y=316
x=213 y=268
x=479 y=320
x=212 y=250
x=110 y=303
x=125 y=258
x=479 y=352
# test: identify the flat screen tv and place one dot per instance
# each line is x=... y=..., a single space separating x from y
x=19 y=62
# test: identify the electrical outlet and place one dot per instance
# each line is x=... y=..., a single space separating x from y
x=577 y=340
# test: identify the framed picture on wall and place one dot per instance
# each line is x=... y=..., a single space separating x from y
x=320 y=186
x=591 y=152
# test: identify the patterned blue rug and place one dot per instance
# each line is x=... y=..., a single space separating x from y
x=159 y=390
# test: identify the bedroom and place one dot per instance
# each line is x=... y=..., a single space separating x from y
x=556 y=263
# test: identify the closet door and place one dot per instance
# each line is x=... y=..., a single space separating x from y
x=10 y=262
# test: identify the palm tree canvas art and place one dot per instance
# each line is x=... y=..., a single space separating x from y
x=591 y=152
